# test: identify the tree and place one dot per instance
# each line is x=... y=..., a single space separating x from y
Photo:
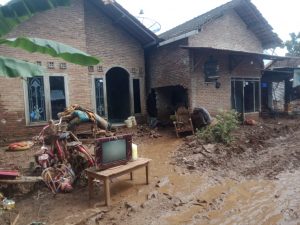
x=293 y=45
x=14 y=13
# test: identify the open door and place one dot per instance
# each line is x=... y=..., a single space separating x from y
x=118 y=95
x=245 y=95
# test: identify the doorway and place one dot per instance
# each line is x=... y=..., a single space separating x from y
x=245 y=95
x=118 y=95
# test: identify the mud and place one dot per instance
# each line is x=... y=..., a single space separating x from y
x=265 y=149
x=245 y=186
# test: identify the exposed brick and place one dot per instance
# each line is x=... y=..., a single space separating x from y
x=82 y=26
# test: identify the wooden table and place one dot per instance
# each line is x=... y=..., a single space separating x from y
x=106 y=175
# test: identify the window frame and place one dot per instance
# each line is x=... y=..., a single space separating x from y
x=47 y=98
x=93 y=93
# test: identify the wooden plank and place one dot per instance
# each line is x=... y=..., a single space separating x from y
x=22 y=179
x=107 y=191
x=120 y=169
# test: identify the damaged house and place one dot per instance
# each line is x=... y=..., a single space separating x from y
x=280 y=89
x=114 y=89
x=214 y=61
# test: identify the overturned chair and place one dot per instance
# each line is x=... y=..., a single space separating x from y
x=183 y=121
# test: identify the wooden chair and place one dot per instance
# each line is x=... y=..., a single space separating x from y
x=183 y=121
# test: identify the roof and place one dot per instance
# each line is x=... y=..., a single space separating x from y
x=233 y=52
x=248 y=13
x=287 y=63
x=128 y=22
x=17 y=11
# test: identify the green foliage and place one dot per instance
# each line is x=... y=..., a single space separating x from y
x=11 y=67
x=226 y=122
x=14 y=68
x=293 y=45
x=52 y=48
x=17 y=11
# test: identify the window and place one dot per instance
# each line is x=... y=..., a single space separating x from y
x=99 y=96
x=211 y=69
x=245 y=95
x=46 y=97
x=36 y=99
x=136 y=96
x=50 y=65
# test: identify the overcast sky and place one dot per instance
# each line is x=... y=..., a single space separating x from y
x=283 y=15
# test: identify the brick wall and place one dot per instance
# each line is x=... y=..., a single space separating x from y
x=213 y=99
x=172 y=65
x=115 y=47
x=227 y=32
x=168 y=65
x=81 y=26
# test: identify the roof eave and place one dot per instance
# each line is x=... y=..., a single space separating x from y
x=122 y=17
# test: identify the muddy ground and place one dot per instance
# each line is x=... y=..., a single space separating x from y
x=254 y=180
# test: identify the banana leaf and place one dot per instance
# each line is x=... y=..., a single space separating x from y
x=21 y=10
x=10 y=67
x=52 y=48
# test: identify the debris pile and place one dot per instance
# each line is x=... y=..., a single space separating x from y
x=145 y=131
x=62 y=158
x=251 y=142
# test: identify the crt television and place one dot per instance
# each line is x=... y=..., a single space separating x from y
x=113 y=151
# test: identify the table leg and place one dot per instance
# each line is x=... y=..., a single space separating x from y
x=107 y=191
x=147 y=174
x=90 y=186
x=131 y=175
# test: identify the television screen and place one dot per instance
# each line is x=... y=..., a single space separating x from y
x=113 y=151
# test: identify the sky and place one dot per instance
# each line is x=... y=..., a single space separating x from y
x=282 y=15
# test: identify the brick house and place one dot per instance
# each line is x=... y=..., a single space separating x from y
x=214 y=61
x=114 y=88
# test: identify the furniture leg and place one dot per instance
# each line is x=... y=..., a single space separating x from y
x=131 y=175
x=90 y=186
x=107 y=191
x=147 y=173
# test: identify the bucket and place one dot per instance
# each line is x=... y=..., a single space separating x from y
x=133 y=120
x=128 y=123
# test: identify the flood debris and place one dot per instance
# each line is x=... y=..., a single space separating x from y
x=20 y=146
x=248 y=153
x=153 y=194
x=59 y=178
x=162 y=182
x=145 y=131
x=9 y=174
x=75 y=115
x=8 y=204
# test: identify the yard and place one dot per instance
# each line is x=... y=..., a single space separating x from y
x=254 y=180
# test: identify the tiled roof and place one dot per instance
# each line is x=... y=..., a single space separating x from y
x=245 y=9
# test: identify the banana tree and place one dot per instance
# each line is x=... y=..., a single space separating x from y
x=17 y=11
x=11 y=67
